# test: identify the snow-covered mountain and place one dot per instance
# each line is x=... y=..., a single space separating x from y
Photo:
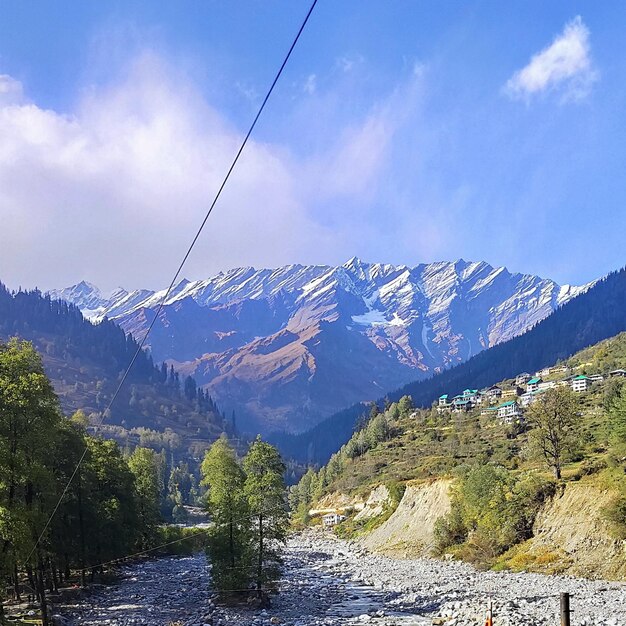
x=286 y=347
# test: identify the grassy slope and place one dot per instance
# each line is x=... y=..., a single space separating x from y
x=430 y=445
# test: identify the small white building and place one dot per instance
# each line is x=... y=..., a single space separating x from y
x=619 y=373
x=596 y=378
x=509 y=411
x=493 y=393
x=332 y=519
x=522 y=379
x=546 y=371
x=444 y=401
x=544 y=386
x=581 y=383
x=533 y=384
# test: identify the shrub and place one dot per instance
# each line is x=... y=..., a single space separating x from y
x=491 y=511
x=615 y=515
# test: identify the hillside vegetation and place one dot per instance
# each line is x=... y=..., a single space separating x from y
x=85 y=363
x=589 y=318
x=501 y=473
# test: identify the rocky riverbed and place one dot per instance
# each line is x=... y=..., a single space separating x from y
x=328 y=582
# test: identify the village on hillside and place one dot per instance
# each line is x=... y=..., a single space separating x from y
x=507 y=402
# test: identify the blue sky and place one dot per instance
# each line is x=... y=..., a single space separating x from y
x=401 y=132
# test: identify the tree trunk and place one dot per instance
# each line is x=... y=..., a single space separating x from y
x=557 y=471
x=259 y=582
x=43 y=604
x=81 y=524
x=232 y=543
x=31 y=580
x=55 y=578
x=16 y=583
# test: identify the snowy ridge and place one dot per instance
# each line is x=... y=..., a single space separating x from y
x=359 y=326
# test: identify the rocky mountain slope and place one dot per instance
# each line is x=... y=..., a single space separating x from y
x=286 y=347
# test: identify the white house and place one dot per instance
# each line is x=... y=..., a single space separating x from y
x=596 y=378
x=544 y=372
x=460 y=403
x=533 y=384
x=614 y=373
x=332 y=519
x=522 y=378
x=493 y=393
x=509 y=411
x=444 y=401
x=544 y=386
x=581 y=383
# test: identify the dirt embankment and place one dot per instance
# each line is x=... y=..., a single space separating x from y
x=409 y=531
x=571 y=524
x=570 y=529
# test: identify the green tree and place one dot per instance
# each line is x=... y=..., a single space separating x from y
x=29 y=420
x=229 y=540
x=554 y=419
x=617 y=420
x=144 y=465
x=264 y=488
x=405 y=406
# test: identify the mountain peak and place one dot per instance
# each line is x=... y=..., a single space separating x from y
x=282 y=334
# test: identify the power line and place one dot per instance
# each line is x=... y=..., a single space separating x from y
x=163 y=300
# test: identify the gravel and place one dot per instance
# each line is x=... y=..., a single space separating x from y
x=330 y=582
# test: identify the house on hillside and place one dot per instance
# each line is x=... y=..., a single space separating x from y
x=526 y=399
x=461 y=404
x=614 y=373
x=489 y=411
x=581 y=383
x=444 y=401
x=512 y=393
x=522 y=379
x=596 y=378
x=332 y=519
x=545 y=385
x=471 y=394
x=509 y=412
x=533 y=384
x=546 y=371
x=493 y=393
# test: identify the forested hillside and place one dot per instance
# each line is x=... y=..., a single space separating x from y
x=86 y=361
x=589 y=318
x=503 y=469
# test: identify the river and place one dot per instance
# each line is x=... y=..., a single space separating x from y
x=328 y=582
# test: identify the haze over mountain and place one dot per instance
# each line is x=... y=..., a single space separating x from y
x=287 y=347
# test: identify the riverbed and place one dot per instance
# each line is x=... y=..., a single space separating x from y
x=329 y=582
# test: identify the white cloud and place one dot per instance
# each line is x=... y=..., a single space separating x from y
x=565 y=64
x=10 y=90
x=310 y=85
x=347 y=63
x=114 y=191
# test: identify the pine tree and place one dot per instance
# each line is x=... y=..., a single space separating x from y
x=265 y=491
x=229 y=541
